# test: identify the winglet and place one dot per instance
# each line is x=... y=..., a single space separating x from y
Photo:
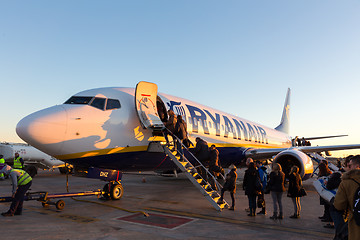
x=285 y=119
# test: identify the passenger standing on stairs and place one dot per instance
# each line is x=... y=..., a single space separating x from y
x=213 y=165
x=230 y=185
x=170 y=126
x=201 y=152
x=181 y=133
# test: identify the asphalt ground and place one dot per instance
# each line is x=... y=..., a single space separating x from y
x=177 y=210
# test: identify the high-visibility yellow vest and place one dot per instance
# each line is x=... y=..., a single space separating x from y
x=17 y=163
x=24 y=178
x=2 y=161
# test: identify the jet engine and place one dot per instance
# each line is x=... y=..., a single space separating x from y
x=294 y=157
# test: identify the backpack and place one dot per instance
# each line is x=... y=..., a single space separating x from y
x=356 y=204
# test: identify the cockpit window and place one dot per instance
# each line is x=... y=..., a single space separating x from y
x=78 y=100
x=98 y=103
x=112 y=104
x=95 y=102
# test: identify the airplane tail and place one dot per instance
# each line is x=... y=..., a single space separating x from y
x=285 y=119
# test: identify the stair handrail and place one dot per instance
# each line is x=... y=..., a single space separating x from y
x=183 y=155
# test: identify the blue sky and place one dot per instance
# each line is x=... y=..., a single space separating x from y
x=237 y=56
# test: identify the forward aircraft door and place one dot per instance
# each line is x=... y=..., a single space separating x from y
x=145 y=103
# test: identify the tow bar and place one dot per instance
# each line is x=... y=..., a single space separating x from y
x=44 y=197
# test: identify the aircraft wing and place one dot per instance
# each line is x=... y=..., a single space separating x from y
x=308 y=149
x=270 y=152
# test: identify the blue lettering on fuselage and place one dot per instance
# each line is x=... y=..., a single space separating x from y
x=216 y=121
x=197 y=115
x=239 y=129
x=171 y=105
x=228 y=127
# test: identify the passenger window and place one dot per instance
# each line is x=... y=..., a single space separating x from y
x=195 y=122
x=189 y=120
x=98 y=103
x=78 y=100
x=112 y=104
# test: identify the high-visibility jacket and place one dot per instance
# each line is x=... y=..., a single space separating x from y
x=2 y=161
x=24 y=177
x=17 y=163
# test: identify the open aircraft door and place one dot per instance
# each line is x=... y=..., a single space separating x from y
x=145 y=103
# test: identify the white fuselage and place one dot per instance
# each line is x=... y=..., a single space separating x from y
x=80 y=131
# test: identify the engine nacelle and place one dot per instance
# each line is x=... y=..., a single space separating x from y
x=289 y=158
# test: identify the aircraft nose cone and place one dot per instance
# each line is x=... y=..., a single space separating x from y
x=44 y=129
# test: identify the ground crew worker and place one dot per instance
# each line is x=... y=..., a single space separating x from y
x=21 y=182
x=2 y=161
x=18 y=162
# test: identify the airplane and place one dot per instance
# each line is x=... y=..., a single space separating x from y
x=33 y=158
x=113 y=128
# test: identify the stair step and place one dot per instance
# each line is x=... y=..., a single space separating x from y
x=193 y=175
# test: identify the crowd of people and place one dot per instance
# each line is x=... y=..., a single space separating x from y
x=338 y=213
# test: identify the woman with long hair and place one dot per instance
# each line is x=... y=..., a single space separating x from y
x=249 y=185
x=295 y=184
x=276 y=186
x=324 y=171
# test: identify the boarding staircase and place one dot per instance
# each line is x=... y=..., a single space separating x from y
x=192 y=173
x=318 y=158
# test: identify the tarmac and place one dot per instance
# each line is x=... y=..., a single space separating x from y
x=176 y=209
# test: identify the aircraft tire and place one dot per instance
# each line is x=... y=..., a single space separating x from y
x=116 y=191
x=106 y=194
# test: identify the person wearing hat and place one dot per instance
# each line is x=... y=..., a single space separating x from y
x=2 y=161
x=230 y=185
x=18 y=162
x=21 y=182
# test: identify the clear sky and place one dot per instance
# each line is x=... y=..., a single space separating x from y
x=236 y=56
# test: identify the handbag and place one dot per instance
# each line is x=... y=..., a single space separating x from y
x=302 y=192
x=260 y=202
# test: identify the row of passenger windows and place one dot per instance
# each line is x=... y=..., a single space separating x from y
x=100 y=103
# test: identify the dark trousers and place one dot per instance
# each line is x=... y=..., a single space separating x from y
x=337 y=217
x=231 y=195
x=17 y=202
x=252 y=202
x=179 y=148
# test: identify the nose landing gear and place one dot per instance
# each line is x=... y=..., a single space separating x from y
x=113 y=190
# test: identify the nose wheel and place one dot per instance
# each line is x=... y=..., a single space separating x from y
x=113 y=190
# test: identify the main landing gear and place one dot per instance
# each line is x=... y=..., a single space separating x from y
x=113 y=190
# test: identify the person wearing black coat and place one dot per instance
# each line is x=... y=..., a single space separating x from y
x=323 y=172
x=295 y=184
x=249 y=185
x=276 y=186
x=201 y=152
x=214 y=167
x=230 y=185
